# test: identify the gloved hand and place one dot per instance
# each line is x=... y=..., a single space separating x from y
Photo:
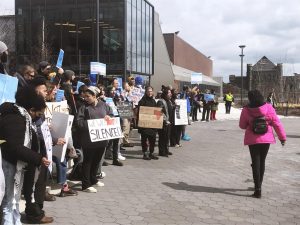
x=282 y=142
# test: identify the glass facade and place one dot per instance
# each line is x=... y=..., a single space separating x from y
x=45 y=26
x=139 y=37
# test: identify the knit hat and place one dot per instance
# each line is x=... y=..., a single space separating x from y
x=139 y=80
x=94 y=90
x=3 y=47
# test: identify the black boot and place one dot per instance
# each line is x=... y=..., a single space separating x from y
x=257 y=193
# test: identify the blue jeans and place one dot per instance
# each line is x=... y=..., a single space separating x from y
x=10 y=202
x=61 y=169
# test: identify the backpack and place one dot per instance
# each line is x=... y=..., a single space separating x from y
x=260 y=125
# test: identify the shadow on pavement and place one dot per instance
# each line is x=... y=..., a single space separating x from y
x=182 y=186
x=292 y=136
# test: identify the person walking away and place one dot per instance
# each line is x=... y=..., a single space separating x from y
x=258 y=120
x=228 y=99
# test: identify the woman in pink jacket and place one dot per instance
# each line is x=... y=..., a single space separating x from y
x=259 y=119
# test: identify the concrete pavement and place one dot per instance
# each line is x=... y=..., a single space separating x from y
x=207 y=181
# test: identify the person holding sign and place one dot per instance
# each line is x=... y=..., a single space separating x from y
x=92 y=151
x=148 y=134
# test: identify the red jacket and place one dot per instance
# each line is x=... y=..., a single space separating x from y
x=266 y=110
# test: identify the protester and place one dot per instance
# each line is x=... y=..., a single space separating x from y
x=175 y=129
x=148 y=135
x=92 y=151
x=206 y=107
x=214 y=109
x=27 y=74
x=3 y=57
x=195 y=103
x=20 y=148
x=67 y=78
x=229 y=99
x=258 y=119
x=164 y=133
x=186 y=95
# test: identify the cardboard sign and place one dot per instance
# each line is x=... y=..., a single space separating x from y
x=110 y=102
x=60 y=58
x=196 y=78
x=125 y=110
x=136 y=95
x=55 y=107
x=181 y=117
x=8 y=88
x=150 y=117
x=102 y=129
x=98 y=68
x=61 y=128
x=48 y=142
x=60 y=94
x=209 y=97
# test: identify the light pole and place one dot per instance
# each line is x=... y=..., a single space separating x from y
x=242 y=81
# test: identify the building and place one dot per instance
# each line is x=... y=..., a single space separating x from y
x=124 y=44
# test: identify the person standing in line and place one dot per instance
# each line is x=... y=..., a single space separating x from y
x=148 y=135
x=228 y=99
x=258 y=119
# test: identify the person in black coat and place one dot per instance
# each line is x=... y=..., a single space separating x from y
x=148 y=134
x=20 y=146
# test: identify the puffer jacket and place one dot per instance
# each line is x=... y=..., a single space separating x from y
x=249 y=114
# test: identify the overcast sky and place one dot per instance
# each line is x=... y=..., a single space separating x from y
x=217 y=28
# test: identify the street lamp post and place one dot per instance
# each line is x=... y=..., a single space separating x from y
x=242 y=81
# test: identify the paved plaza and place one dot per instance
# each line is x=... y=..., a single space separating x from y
x=207 y=181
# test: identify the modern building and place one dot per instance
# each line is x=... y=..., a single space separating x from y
x=118 y=33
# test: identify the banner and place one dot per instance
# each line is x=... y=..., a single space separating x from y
x=102 y=129
x=48 y=142
x=8 y=88
x=98 y=68
x=60 y=58
x=150 y=117
x=196 y=78
x=125 y=110
x=136 y=95
x=55 y=107
x=110 y=102
x=181 y=117
x=61 y=128
x=209 y=97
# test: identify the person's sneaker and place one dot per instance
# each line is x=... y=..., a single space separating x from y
x=105 y=163
x=49 y=197
x=99 y=184
x=120 y=157
x=146 y=156
x=117 y=163
x=46 y=219
x=152 y=156
x=101 y=175
x=186 y=138
x=176 y=146
x=90 y=190
x=69 y=192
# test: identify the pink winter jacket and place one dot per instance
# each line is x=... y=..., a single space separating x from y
x=266 y=110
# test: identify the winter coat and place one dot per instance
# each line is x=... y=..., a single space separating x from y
x=150 y=102
x=249 y=114
x=13 y=128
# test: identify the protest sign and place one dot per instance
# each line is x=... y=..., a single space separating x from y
x=8 y=88
x=60 y=58
x=48 y=142
x=110 y=102
x=61 y=128
x=181 y=117
x=60 y=94
x=98 y=68
x=196 y=78
x=125 y=110
x=136 y=95
x=150 y=117
x=209 y=97
x=2 y=180
x=55 y=107
x=105 y=129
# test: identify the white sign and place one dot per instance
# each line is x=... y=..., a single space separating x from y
x=181 y=112
x=110 y=102
x=52 y=107
x=136 y=95
x=61 y=128
x=48 y=142
x=105 y=129
x=98 y=68
x=196 y=78
x=2 y=180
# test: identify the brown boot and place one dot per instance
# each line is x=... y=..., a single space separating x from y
x=46 y=219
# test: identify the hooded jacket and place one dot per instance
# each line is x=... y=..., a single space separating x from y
x=13 y=128
x=249 y=114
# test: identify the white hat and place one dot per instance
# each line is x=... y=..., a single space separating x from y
x=3 y=47
x=94 y=89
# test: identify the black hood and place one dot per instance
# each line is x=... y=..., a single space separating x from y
x=8 y=108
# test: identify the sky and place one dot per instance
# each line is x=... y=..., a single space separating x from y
x=216 y=28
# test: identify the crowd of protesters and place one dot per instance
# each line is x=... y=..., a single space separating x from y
x=23 y=147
